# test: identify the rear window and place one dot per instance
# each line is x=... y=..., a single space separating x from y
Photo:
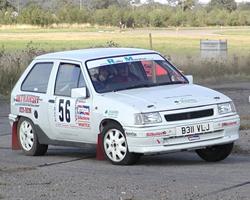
x=38 y=78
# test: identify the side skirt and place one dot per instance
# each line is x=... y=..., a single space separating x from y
x=44 y=139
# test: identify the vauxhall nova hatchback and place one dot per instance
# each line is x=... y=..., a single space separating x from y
x=134 y=99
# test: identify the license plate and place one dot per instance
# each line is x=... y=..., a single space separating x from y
x=194 y=129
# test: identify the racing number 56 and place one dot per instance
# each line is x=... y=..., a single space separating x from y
x=64 y=110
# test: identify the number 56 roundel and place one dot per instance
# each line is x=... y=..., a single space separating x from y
x=71 y=113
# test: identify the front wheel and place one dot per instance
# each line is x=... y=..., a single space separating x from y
x=28 y=139
x=115 y=146
x=215 y=153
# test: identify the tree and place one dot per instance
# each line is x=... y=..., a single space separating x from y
x=124 y=3
x=150 y=1
x=244 y=6
x=197 y=17
x=188 y=4
x=159 y=17
x=184 y=4
x=178 y=18
x=233 y=19
x=141 y=16
x=4 y=5
x=217 y=17
x=229 y=5
x=100 y=4
x=35 y=15
x=72 y=14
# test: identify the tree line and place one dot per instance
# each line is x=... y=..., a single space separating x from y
x=126 y=14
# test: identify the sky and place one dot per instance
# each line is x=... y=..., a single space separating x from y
x=202 y=1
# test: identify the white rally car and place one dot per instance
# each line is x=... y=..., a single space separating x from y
x=134 y=99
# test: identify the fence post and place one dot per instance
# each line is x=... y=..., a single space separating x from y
x=150 y=41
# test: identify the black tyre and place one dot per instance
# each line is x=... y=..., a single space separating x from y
x=215 y=153
x=28 y=139
x=115 y=146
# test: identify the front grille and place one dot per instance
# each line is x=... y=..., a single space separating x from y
x=189 y=115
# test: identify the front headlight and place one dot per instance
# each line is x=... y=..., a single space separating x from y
x=147 y=118
x=225 y=108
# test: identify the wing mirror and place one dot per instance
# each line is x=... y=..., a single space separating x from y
x=79 y=93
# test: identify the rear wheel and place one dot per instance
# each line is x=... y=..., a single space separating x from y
x=28 y=139
x=215 y=153
x=115 y=146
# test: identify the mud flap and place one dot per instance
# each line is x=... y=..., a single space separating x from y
x=99 y=148
x=15 y=143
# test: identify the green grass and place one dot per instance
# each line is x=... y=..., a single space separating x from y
x=164 y=45
x=49 y=45
x=167 y=41
x=166 y=48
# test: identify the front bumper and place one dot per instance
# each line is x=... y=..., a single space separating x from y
x=162 y=139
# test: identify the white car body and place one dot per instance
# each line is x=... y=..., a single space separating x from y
x=87 y=114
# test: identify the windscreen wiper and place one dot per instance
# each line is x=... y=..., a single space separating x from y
x=170 y=83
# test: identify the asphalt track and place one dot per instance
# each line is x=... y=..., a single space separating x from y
x=73 y=173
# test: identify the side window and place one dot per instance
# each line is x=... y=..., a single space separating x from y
x=69 y=76
x=38 y=78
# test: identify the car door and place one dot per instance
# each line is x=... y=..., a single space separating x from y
x=70 y=118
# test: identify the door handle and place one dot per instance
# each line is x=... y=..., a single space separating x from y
x=51 y=101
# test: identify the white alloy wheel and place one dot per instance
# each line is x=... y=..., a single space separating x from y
x=115 y=145
x=26 y=135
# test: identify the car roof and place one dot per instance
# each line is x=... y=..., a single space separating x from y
x=94 y=53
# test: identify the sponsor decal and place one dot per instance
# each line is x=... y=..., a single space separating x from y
x=229 y=124
x=84 y=125
x=25 y=109
x=82 y=116
x=158 y=141
x=131 y=134
x=181 y=101
x=73 y=126
x=113 y=61
x=124 y=59
x=156 y=134
x=111 y=113
x=27 y=100
x=193 y=137
x=168 y=132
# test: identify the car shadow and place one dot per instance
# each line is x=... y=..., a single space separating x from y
x=170 y=159
x=78 y=152
x=182 y=158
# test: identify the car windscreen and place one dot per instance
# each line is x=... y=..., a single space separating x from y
x=134 y=71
